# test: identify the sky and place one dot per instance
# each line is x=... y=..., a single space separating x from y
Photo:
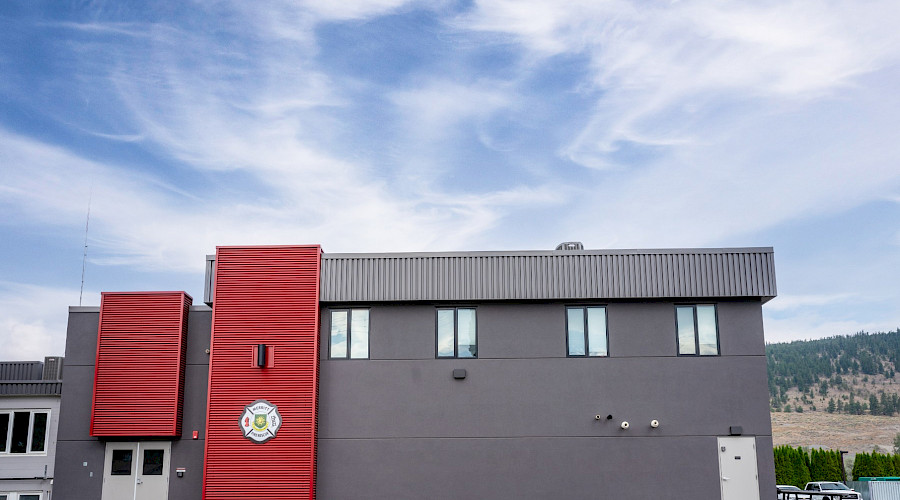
x=387 y=125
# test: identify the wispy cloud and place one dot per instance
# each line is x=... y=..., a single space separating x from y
x=663 y=66
x=811 y=326
x=140 y=221
x=788 y=302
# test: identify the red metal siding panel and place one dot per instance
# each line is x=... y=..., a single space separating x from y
x=139 y=372
x=263 y=295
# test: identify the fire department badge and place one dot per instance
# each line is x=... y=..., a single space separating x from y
x=260 y=421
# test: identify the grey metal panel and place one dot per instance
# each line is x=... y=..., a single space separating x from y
x=21 y=370
x=208 y=282
x=624 y=274
x=28 y=388
x=884 y=490
x=53 y=367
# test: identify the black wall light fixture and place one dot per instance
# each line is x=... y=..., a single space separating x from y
x=261 y=355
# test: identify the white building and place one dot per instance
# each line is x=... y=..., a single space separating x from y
x=29 y=416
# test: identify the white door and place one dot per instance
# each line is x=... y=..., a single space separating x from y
x=737 y=468
x=136 y=471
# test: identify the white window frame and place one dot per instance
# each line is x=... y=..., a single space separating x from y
x=14 y=495
x=9 y=432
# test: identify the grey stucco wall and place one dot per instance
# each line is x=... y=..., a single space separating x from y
x=521 y=425
x=79 y=457
x=75 y=446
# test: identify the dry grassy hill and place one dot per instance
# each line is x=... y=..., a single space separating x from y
x=853 y=433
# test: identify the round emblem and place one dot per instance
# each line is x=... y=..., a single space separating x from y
x=260 y=421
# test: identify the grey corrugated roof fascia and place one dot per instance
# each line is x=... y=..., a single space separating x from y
x=499 y=253
x=26 y=388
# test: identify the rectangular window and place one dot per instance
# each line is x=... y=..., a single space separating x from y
x=38 y=432
x=121 y=463
x=349 y=334
x=4 y=433
x=457 y=333
x=23 y=431
x=698 y=332
x=586 y=333
x=153 y=462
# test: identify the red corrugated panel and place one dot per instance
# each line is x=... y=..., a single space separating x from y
x=263 y=295
x=139 y=373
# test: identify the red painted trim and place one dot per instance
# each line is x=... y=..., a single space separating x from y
x=315 y=402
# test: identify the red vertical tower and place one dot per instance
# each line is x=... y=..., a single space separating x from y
x=263 y=296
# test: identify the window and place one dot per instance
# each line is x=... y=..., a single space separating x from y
x=698 y=332
x=456 y=333
x=586 y=331
x=349 y=327
x=20 y=496
x=121 y=463
x=23 y=431
x=153 y=462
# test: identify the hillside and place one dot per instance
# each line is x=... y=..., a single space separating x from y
x=854 y=375
x=853 y=433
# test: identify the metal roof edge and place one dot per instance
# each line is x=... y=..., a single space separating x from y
x=84 y=309
x=527 y=253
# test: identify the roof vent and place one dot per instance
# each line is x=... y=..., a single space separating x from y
x=570 y=245
x=53 y=367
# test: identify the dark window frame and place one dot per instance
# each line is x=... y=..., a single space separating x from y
x=156 y=468
x=113 y=471
x=437 y=339
x=584 y=319
x=29 y=437
x=349 y=311
x=696 y=327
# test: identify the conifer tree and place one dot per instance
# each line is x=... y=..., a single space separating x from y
x=801 y=465
x=834 y=472
x=784 y=470
x=816 y=464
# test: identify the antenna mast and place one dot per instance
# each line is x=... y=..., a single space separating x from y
x=84 y=256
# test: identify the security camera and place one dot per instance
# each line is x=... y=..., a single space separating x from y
x=624 y=425
x=654 y=423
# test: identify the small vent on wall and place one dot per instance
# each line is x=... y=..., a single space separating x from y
x=570 y=245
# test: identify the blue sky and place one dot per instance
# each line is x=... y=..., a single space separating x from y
x=384 y=125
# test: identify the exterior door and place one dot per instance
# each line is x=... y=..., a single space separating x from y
x=136 y=470
x=737 y=468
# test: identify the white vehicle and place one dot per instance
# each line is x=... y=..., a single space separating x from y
x=831 y=490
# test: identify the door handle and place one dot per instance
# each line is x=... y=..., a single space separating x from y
x=140 y=481
x=725 y=478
